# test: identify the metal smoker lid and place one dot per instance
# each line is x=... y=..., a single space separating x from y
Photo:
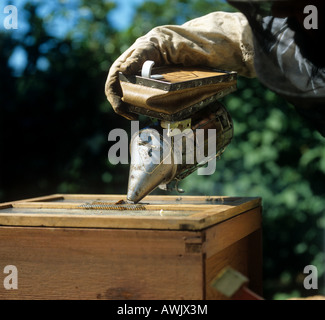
x=180 y=78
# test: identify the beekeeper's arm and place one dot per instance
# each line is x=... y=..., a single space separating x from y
x=218 y=40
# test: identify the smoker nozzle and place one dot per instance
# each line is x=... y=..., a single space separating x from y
x=148 y=170
x=155 y=160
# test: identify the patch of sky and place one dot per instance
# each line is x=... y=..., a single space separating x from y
x=120 y=17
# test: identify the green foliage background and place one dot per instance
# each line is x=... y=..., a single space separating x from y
x=54 y=123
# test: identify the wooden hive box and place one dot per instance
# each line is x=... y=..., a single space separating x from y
x=94 y=247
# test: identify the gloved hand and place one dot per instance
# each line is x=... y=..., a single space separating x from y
x=130 y=62
x=218 y=40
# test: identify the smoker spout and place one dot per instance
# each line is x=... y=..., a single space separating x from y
x=148 y=169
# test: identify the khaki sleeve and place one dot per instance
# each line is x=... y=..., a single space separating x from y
x=220 y=40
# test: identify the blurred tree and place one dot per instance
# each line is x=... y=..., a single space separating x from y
x=7 y=99
x=56 y=117
x=54 y=122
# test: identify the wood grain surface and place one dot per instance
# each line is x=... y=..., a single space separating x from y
x=170 y=250
x=164 y=213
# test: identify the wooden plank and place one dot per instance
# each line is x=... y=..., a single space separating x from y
x=185 y=216
x=222 y=235
x=97 y=221
x=237 y=243
x=82 y=221
x=84 y=197
x=102 y=264
x=226 y=211
x=245 y=256
x=53 y=197
x=116 y=197
x=235 y=256
x=149 y=207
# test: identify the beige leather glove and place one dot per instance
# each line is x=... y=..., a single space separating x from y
x=218 y=40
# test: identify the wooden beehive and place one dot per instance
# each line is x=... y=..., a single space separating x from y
x=96 y=247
